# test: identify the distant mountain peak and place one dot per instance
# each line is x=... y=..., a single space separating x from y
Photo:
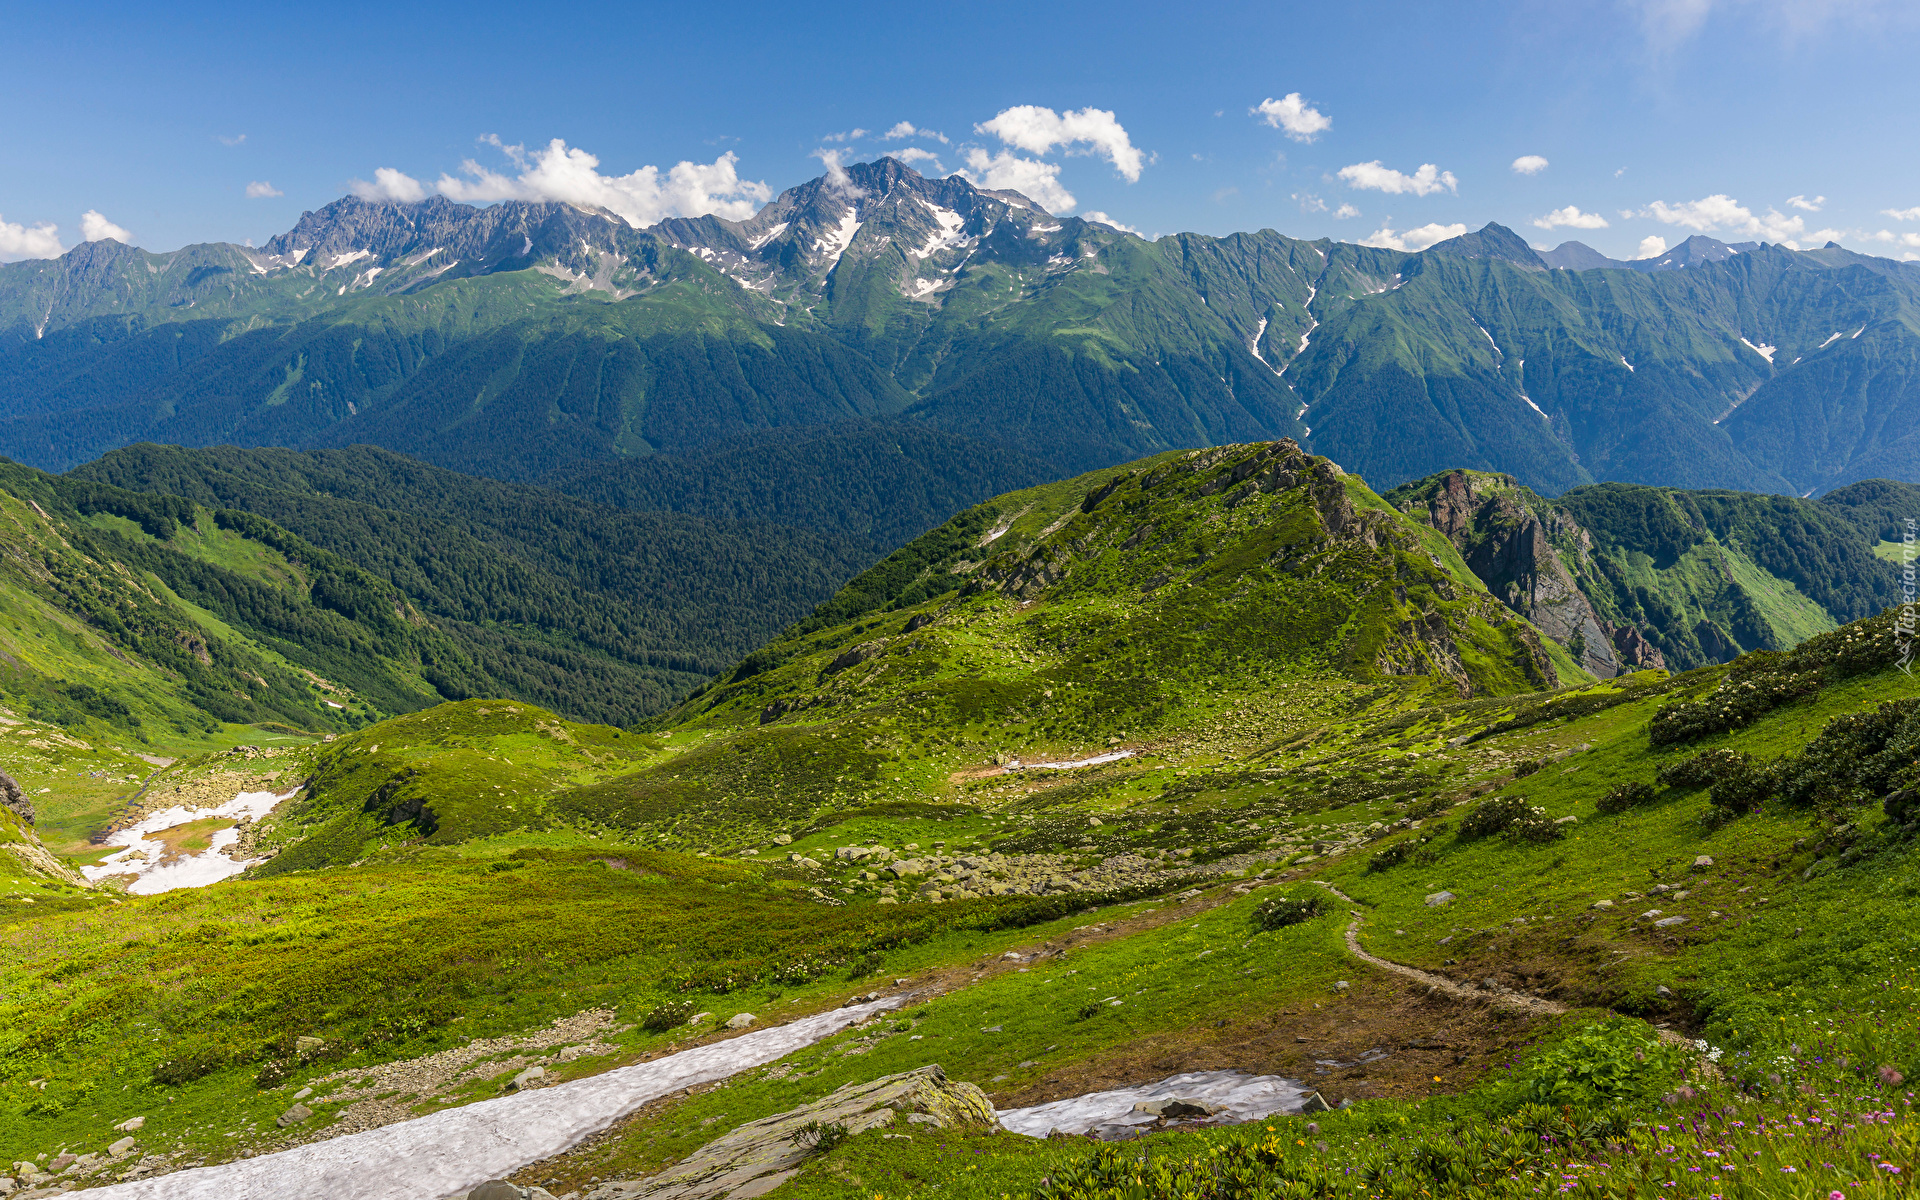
x=1492 y=240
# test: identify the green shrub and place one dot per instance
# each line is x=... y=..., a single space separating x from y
x=1493 y=816
x=188 y=1067
x=821 y=1137
x=1391 y=856
x=1535 y=828
x=1699 y=770
x=667 y=1016
x=1626 y=796
x=1743 y=787
x=1523 y=769
x=1278 y=912
x=1612 y=1061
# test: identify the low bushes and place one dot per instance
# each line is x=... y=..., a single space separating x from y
x=1628 y=795
x=1278 y=912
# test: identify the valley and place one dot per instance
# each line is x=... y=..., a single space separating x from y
x=1217 y=761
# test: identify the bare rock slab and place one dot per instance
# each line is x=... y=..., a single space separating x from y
x=760 y=1155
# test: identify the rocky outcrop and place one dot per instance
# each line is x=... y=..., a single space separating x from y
x=761 y=1155
x=1513 y=549
x=19 y=842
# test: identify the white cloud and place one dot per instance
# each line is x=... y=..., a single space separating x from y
x=1037 y=130
x=914 y=154
x=260 y=189
x=837 y=177
x=1036 y=180
x=1572 y=218
x=905 y=129
x=1812 y=205
x=230 y=141
x=1344 y=212
x=1529 y=164
x=851 y=135
x=29 y=241
x=1651 y=246
x=96 y=228
x=1424 y=182
x=570 y=175
x=1903 y=214
x=1310 y=203
x=390 y=185
x=1299 y=120
x=1104 y=219
x=1720 y=212
x=1413 y=239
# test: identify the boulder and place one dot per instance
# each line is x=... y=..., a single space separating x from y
x=1702 y=863
x=741 y=1020
x=292 y=1116
x=782 y=839
x=529 y=1078
x=1603 y=904
x=760 y=1155
x=1669 y=922
x=131 y=1124
x=302 y=1044
x=1440 y=899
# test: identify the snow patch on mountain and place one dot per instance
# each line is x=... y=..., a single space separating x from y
x=1763 y=350
x=836 y=242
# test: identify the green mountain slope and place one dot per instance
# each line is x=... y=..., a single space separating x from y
x=522 y=339
x=594 y=612
x=1628 y=577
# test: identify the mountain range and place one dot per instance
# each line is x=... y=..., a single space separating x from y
x=533 y=340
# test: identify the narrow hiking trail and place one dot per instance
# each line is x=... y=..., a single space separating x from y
x=1461 y=991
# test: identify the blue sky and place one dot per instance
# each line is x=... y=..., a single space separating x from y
x=1661 y=118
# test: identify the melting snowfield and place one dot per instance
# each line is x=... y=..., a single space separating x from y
x=446 y=1153
x=1073 y=764
x=1243 y=1098
x=158 y=867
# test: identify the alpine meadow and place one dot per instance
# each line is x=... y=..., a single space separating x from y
x=566 y=681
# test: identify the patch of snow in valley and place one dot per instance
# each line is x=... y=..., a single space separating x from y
x=1763 y=350
x=157 y=871
x=1858 y=332
x=1255 y=347
x=1244 y=1097
x=1830 y=341
x=1625 y=363
x=445 y=1153
x=1488 y=336
x=1072 y=764
x=946 y=235
x=769 y=235
x=1532 y=405
x=836 y=243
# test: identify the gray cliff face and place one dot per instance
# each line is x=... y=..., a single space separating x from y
x=1513 y=551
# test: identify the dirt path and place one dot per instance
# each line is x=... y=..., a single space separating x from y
x=1496 y=994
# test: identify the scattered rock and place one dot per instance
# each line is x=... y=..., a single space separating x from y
x=741 y=1020
x=1440 y=899
x=1340 y=985
x=292 y=1116
x=1702 y=863
x=1668 y=922
x=528 y=1078
x=131 y=1124
x=760 y=1155
x=696 y=1018
x=303 y=1093
x=1315 y=1103
x=1663 y=992
x=1603 y=904
x=783 y=839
